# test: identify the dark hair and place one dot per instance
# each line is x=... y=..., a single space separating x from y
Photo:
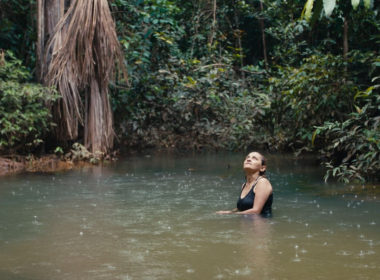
x=263 y=162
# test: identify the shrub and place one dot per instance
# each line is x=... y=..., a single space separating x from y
x=24 y=107
x=306 y=96
x=198 y=104
x=352 y=147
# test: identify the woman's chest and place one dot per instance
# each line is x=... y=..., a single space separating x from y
x=246 y=192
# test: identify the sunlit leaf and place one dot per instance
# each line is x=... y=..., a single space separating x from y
x=314 y=135
x=368 y=3
x=355 y=3
x=328 y=6
x=306 y=13
x=358 y=109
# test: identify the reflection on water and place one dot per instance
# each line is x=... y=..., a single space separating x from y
x=153 y=218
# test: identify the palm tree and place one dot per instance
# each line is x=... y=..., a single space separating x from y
x=79 y=59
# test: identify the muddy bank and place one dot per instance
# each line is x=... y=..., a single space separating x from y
x=48 y=163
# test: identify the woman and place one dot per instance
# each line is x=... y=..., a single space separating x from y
x=256 y=195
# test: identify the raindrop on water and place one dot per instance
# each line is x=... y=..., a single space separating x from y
x=343 y=253
x=36 y=222
x=296 y=258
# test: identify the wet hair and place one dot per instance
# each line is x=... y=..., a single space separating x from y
x=263 y=162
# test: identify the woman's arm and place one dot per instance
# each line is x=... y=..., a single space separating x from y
x=228 y=211
x=262 y=191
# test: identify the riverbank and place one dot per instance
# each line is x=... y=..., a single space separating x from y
x=47 y=163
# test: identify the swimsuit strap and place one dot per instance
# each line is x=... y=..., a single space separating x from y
x=253 y=186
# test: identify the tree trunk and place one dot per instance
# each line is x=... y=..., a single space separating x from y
x=49 y=12
x=345 y=38
x=262 y=26
x=238 y=34
x=40 y=37
x=211 y=36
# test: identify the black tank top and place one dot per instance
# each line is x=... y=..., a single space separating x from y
x=246 y=202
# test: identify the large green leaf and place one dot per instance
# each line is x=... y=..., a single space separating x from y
x=307 y=10
x=355 y=3
x=328 y=6
x=368 y=3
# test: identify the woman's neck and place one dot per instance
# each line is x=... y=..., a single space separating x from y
x=252 y=177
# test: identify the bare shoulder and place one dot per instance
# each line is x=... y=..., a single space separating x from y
x=264 y=184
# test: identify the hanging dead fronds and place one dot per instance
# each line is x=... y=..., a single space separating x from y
x=81 y=57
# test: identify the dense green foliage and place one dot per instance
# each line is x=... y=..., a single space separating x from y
x=18 y=29
x=25 y=117
x=352 y=147
x=185 y=92
x=198 y=79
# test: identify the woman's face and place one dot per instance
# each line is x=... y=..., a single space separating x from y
x=253 y=163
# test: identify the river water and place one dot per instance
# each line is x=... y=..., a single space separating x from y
x=153 y=217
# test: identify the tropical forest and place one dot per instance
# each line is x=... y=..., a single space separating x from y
x=90 y=79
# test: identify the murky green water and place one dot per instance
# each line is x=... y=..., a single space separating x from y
x=153 y=218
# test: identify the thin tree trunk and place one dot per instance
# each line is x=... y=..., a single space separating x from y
x=40 y=38
x=345 y=38
x=241 y=52
x=211 y=37
x=262 y=26
x=238 y=34
x=345 y=44
x=49 y=13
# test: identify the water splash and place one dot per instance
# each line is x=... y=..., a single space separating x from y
x=296 y=257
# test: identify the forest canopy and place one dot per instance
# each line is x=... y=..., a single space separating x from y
x=295 y=75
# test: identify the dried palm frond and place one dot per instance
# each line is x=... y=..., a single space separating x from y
x=81 y=57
